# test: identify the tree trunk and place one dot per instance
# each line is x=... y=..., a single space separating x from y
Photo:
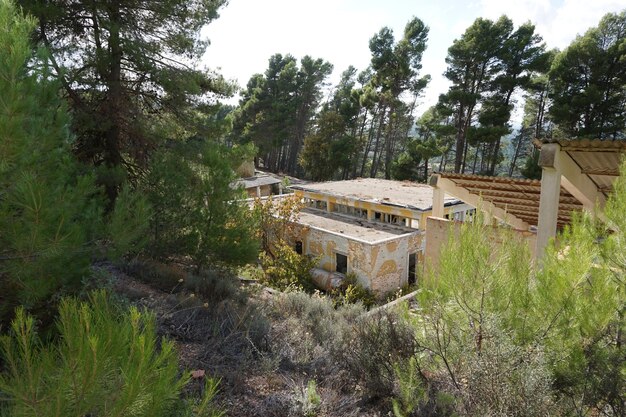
x=361 y=130
x=112 y=156
x=389 y=144
x=460 y=141
x=370 y=137
x=376 y=158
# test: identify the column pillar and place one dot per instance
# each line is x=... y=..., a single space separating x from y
x=438 y=202
x=548 y=208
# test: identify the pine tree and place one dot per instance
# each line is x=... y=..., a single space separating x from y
x=48 y=209
x=127 y=68
x=106 y=363
x=51 y=217
x=197 y=210
x=588 y=80
x=277 y=108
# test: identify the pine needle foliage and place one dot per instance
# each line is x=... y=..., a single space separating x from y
x=198 y=212
x=510 y=338
x=105 y=363
x=47 y=208
x=51 y=213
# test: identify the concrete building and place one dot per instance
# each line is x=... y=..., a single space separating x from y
x=261 y=185
x=372 y=228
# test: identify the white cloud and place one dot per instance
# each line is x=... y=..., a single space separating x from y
x=250 y=31
x=557 y=22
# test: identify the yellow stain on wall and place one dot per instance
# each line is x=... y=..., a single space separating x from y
x=327 y=266
x=359 y=256
x=315 y=247
x=415 y=243
x=388 y=267
x=392 y=246
x=375 y=251
x=330 y=247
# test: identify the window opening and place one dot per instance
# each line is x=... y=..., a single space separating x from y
x=341 y=263
x=412 y=268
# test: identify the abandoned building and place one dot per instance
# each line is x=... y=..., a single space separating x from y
x=372 y=228
x=385 y=232
x=261 y=185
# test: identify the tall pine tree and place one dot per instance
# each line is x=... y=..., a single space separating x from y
x=127 y=68
x=50 y=208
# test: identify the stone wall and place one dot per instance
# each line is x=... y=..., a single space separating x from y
x=381 y=267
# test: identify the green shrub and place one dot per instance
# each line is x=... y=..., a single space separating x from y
x=308 y=327
x=197 y=212
x=506 y=379
x=307 y=400
x=213 y=284
x=372 y=349
x=412 y=393
x=105 y=363
x=352 y=292
x=285 y=269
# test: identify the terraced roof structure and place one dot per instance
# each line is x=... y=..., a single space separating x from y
x=519 y=197
x=598 y=159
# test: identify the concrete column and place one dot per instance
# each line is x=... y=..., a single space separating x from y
x=258 y=191
x=370 y=215
x=548 y=208
x=438 y=202
x=330 y=206
x=280 y=188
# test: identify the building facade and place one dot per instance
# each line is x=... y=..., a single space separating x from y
x=371 y=228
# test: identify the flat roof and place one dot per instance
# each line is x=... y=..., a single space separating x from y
x=404 y=194
x=258 y=181
x=352 y=228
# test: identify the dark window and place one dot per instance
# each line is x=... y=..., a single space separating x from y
x=299 y=247
x=412 y=269
x=377 y=215
x=342 y=263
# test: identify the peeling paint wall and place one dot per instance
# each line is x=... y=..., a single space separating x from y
x=390 y=263
x=265 y=190
x=381 y=267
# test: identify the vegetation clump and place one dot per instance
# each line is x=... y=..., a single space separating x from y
x=106 y=362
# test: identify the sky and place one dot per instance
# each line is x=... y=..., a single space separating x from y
x=248 y=32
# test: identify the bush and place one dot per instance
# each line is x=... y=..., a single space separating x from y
x=376 y=344
x=165 y=277
x=213 y=284
x=352 y=292
x=308 y=327
x=197 y=212
x=285 y=269
x=306 y=400
x=105 y=363
x=506 y=379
